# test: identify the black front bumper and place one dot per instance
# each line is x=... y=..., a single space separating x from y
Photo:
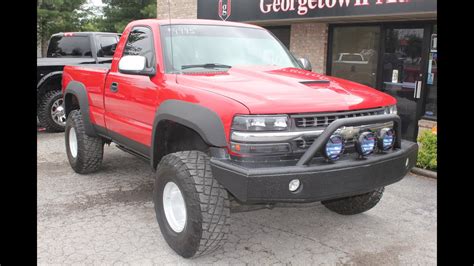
x=319 y=180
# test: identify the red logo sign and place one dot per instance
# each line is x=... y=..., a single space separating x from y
x=225 y=8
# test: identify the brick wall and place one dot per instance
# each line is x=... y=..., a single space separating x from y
x=180 y=9
x=310 y=40
x=427 y=125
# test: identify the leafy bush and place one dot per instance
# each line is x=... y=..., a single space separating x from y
x=428 y=152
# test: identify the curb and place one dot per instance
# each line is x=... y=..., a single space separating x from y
x=424 y=172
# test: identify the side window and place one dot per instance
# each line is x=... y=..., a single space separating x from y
x=106 y=45
x=139 y=42
x=69 y=46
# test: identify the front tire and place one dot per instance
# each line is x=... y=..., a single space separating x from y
x=84 y=152
x=355 y=204
x=51 y=113
x=198 y=223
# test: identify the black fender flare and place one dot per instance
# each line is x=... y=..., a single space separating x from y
x=194 y=116
x=79 y=91
x=47 y=77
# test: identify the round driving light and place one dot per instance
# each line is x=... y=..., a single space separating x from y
x=334 y=148
x=365 y=144
x=294 y=185
x=386 y=139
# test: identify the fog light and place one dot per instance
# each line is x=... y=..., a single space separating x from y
x=386 y=139
x=365 y=144
x=334 y=148
x=294 y=185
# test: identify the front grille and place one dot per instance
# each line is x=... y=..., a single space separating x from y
x=303 y=144
x=324 y=119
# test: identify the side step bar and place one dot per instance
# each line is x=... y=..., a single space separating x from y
x=132 y=152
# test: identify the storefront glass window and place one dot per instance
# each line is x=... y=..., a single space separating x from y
x=355 y=53
x=432 y=80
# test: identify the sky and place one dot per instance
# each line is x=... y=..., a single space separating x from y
x=95 y=3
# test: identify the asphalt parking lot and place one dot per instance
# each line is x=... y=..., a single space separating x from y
x=108 y=218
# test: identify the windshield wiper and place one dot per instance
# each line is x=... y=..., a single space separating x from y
x=209 y=65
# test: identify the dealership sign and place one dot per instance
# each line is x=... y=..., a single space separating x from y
x=225 y=9
x=260 y=10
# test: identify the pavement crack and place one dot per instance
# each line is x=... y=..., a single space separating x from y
x=293 y=233
x=140 y=194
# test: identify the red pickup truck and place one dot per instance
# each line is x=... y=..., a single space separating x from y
x=223 y=111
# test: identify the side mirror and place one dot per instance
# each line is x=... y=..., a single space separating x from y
x=305 y=64
x=135 y=65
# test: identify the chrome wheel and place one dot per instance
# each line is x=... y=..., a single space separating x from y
x=57 y=112
x=73 y=142
x=174 y=207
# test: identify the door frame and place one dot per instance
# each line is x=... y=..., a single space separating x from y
x=426 y=25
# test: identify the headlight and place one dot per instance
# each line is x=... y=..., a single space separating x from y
x=392 y=109
x=260 y=123
x=365 y=144
x=334 y=148
x=386 y=139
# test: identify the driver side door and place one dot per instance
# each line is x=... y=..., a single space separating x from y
x=130 y=99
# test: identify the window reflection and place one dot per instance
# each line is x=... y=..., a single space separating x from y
x=354 y=54
x=431 y=109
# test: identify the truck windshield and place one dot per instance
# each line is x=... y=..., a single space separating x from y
x=205 y=47
x=69 y=46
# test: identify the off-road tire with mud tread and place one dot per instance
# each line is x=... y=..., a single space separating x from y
x=355 y=204
x=90 y=150
x=44 y=111
x=207 y=203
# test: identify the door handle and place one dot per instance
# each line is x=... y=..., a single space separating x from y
x=417 y=93
x=114 y=87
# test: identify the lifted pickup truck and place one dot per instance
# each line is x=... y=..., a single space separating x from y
x=223 y=111
x=66 y=49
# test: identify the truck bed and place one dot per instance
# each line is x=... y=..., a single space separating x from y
x=93 y=77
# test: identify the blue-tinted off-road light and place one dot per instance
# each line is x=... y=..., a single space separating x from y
x=334 y=148
x=365 y=144
x=386 y=139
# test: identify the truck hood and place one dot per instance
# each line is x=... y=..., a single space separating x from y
x=272 y=90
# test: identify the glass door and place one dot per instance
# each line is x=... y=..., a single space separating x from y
x=355 y=51
x=431 y=110
x=403 y=65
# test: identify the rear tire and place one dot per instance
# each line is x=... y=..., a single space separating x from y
x=206 y=219
x=355 y=204
x=51 y=111
x=84 y=152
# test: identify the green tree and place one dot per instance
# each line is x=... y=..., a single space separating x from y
x=118 y=13
x=56 y=16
